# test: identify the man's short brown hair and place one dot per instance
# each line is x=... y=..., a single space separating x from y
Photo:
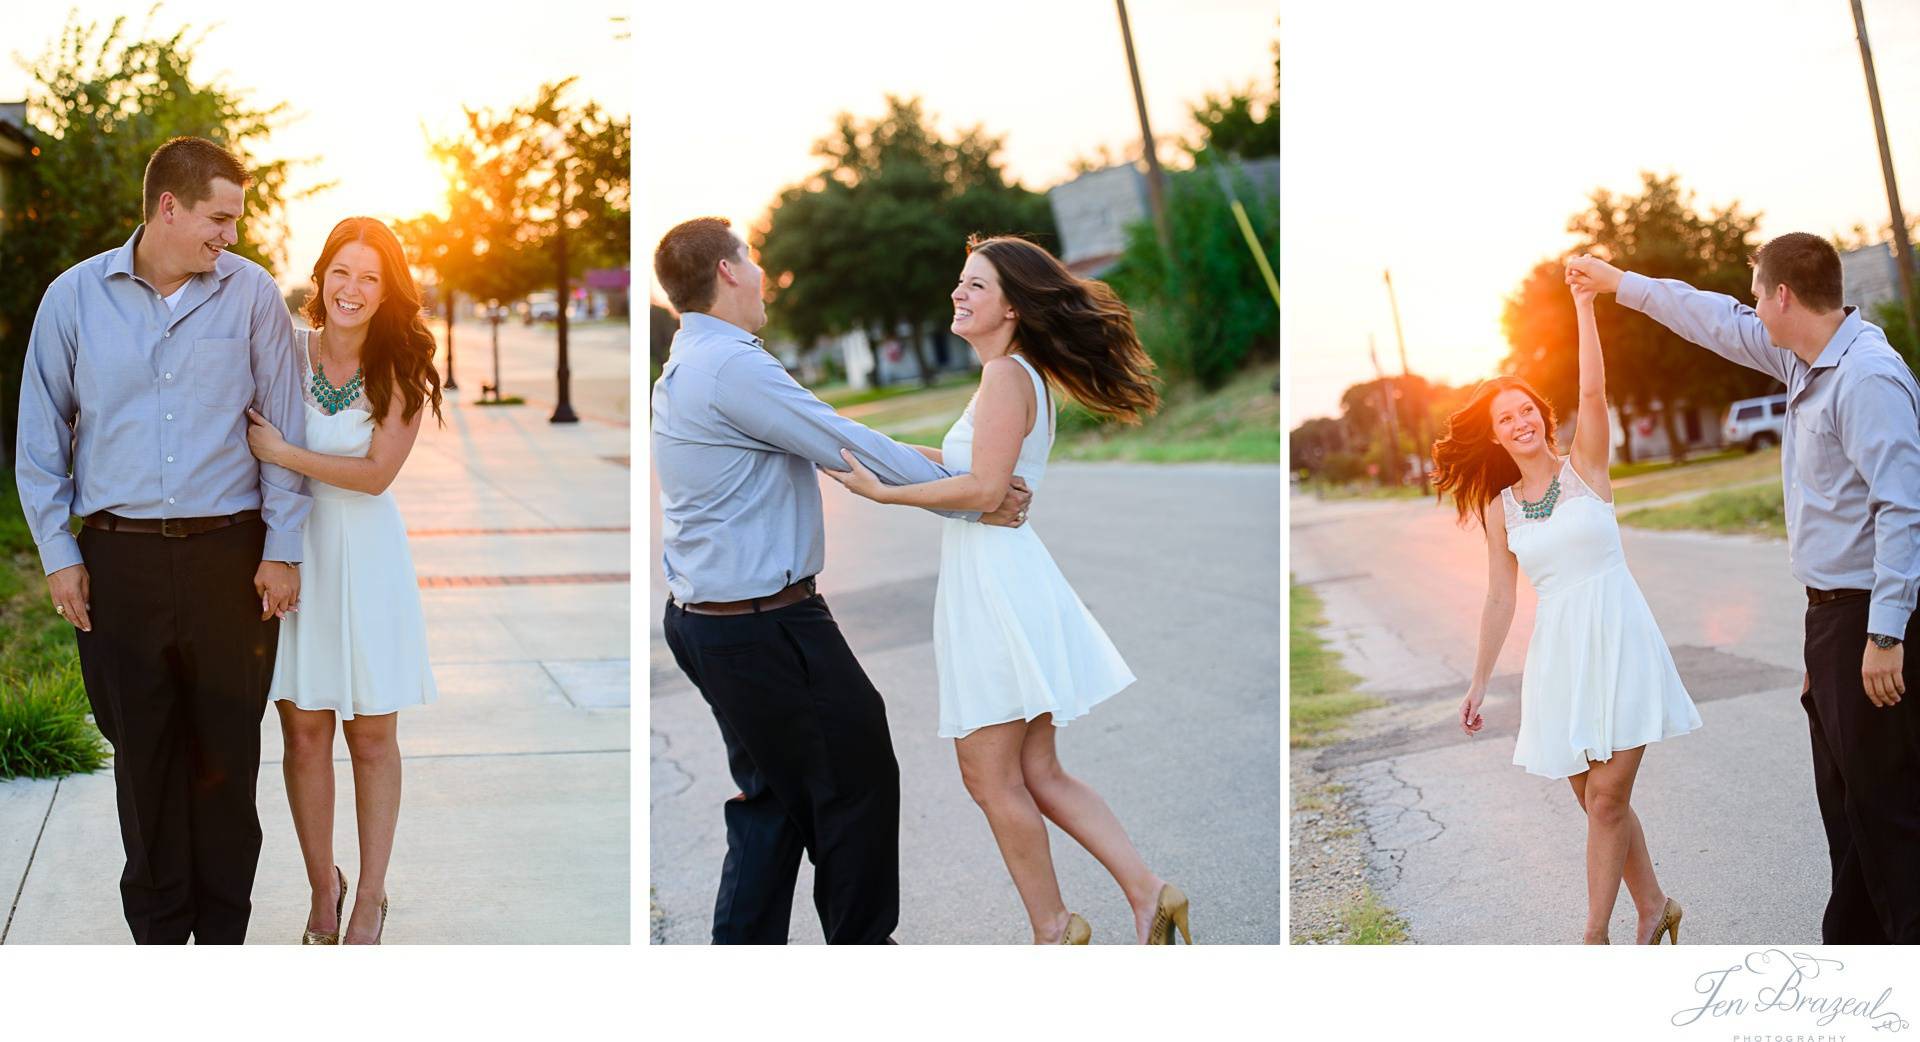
x=1806 y=264
x=685 y=260
x=186 y=167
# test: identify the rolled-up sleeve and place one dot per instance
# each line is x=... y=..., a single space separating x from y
x=1715 y=321
x=757 y=395
x=284 y=502
x=43 y=452
x=1878 y=423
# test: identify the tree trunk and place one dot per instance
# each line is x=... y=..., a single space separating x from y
x=1626 y=428
x=1676 y=445
x=921 y=354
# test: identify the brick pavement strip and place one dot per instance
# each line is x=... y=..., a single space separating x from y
x=430 y=582
x=426 y=533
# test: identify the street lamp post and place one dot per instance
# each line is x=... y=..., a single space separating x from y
x=563 y=376
x=446 y=301
x=494 y=314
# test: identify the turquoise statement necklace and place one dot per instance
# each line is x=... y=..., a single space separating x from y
x=1543 y=507
x=333 y=399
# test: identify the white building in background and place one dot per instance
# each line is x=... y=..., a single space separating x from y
x=1869 y=276
x=1092 y=213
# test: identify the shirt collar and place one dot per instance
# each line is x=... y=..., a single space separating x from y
x=122 y=261
x=1831 y=354
x=701 y=322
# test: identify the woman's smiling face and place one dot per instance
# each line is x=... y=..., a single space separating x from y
x=354 y=286
x=1518 y=425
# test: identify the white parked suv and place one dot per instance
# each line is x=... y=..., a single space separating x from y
x=1755 y=422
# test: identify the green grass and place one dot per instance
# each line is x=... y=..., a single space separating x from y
x=1621 y=471
x=44 y=730
x=840 y=396
x=1320 y=695
x=1367 y=921
x=1723 y=471
x=1755 y=509
x=1238 y=423
x=1365 y=490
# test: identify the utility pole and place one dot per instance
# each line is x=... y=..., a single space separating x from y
x=1902 y=248
x=1420 y=431
x=1156 y=179
x=1386 y=396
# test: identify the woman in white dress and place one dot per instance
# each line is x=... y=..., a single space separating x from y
x=1018 y=655
x=356 y=649
x=1599 y=683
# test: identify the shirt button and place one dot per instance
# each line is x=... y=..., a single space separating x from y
x=169 y=499
x=169 y=376
x=169 y=459
x=168 y=333
x=169 y=416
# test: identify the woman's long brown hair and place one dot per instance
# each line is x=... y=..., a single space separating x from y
x=398 y=355
x=1077 y=332
x=1468 y=462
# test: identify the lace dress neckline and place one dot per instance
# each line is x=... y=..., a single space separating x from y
x=1572 y=487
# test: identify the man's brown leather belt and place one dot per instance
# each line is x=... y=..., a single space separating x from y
x=794 y=594
x=171 y=527
x=1823 y=596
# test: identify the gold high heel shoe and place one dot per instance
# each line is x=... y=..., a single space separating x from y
x=339 y=916
x=1170 y=911
x=380 y=930
x=1669 y=923
x=1078 y=931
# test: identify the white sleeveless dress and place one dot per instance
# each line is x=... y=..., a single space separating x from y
x=358 y=644
x=1011 y=640
x=1599 y=677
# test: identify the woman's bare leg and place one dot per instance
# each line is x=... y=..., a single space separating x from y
x=306 y=737
x=374 y=743
x=1609 y=796
x=1649 y=901
x=1081 y=813
x=990 y=767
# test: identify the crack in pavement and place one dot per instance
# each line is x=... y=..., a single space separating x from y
x=1389 y=808
x=666 y=769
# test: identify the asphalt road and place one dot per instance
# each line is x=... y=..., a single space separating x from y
x=1181 y=566
x=1471 y=849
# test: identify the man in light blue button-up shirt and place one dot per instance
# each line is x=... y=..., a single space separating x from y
x=140 y=368
x=735 y=444
x=1850 y=462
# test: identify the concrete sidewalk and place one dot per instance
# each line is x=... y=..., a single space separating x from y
x=515 y=823
x=1180 y=565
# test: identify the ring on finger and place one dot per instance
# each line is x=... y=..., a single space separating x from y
x=60 y=609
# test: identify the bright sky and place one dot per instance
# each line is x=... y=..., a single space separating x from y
x=1452 y=149
x=735 y=95
x=369 y=82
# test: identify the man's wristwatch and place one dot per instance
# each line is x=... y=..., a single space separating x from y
x=1883 y=642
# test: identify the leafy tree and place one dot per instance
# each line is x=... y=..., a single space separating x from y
x=100 y=103
x=1207 y=311
x=1658 y=233
x=1205 y=314
x=874 y=239
x=1244 y=123
x=535 y=196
